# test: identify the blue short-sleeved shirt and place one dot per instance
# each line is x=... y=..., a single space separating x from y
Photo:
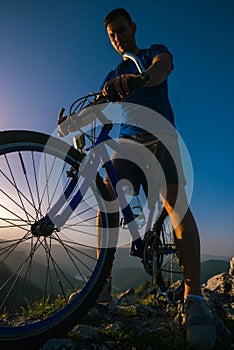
x=155 y=97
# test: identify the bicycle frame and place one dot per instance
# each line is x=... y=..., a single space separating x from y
x=98 y=155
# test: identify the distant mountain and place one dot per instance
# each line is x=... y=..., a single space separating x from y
x=23 y=280
x=25 y=290
x=131 y=277
x=128 y=271
x=124 y=259
x=128 y=278
x=210 y=268
x=205 y=257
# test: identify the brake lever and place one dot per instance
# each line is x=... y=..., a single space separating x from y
x=61 y=119
x=100 y=98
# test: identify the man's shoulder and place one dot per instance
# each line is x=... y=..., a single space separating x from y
x=147 y=55
x=156 y=49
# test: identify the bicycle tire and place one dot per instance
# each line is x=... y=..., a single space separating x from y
x=59 y=274
x=168 y=277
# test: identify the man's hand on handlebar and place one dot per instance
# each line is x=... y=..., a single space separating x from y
x=122 y=86
x=114 y=90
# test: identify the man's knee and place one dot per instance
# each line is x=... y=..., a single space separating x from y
x=174 y=198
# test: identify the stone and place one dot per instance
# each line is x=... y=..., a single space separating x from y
x=231 y=270
x=127 y=298
x=86 y=332
x=58 y=344
x=144 y=316
x=222 y=283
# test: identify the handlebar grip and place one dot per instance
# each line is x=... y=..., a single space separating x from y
x=133 y=84
x=112 y=95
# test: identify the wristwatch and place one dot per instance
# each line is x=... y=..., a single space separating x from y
x=145 y=76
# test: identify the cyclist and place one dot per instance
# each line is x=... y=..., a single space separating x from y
x=153 y=93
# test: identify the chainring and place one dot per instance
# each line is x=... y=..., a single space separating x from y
x=152 y=248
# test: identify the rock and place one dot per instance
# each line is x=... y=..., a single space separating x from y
x=127 y=298
x=110 y=345
x=58 y=344
x=127 y=318
x=219 y=295
x=231 y=270
x=86 y=332
x=117 y=326
x=222 y=283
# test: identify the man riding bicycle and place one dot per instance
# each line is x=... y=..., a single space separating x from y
x=153 y=94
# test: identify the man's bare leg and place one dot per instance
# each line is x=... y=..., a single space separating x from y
x=187 y=239
x=200 y=325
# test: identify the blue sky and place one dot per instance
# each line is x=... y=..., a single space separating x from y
x=55 y=51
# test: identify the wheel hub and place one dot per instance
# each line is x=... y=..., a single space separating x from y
x=43 y=227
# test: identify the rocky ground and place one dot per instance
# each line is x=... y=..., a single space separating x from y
x=137 y=321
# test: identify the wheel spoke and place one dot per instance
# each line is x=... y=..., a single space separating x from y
x=41 y=269
x=70 y=252
x=20 y=194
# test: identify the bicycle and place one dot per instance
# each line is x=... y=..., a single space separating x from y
x=51 y=273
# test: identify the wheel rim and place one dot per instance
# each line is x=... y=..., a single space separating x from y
x=42 y=274
x=171 y=267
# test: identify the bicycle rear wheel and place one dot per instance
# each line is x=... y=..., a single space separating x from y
x=163 y=261
x=47 y=281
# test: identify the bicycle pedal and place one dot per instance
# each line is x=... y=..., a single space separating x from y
x=123 y=224
x=70 y=171
x=136 y=252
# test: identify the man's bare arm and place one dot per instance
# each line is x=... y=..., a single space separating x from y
x=160 y=69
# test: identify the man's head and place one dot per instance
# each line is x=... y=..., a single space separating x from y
x=121 y=31
x=119 y=12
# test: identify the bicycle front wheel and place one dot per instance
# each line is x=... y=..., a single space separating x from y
x=48 y=279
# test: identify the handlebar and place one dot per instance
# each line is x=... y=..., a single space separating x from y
x=140 y=66
x=133 y=84
x=67 y=124
x=81 y=103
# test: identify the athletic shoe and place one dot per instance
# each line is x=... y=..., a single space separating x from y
x=200 y=325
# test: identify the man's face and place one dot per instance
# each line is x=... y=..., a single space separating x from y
x=122 y=35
